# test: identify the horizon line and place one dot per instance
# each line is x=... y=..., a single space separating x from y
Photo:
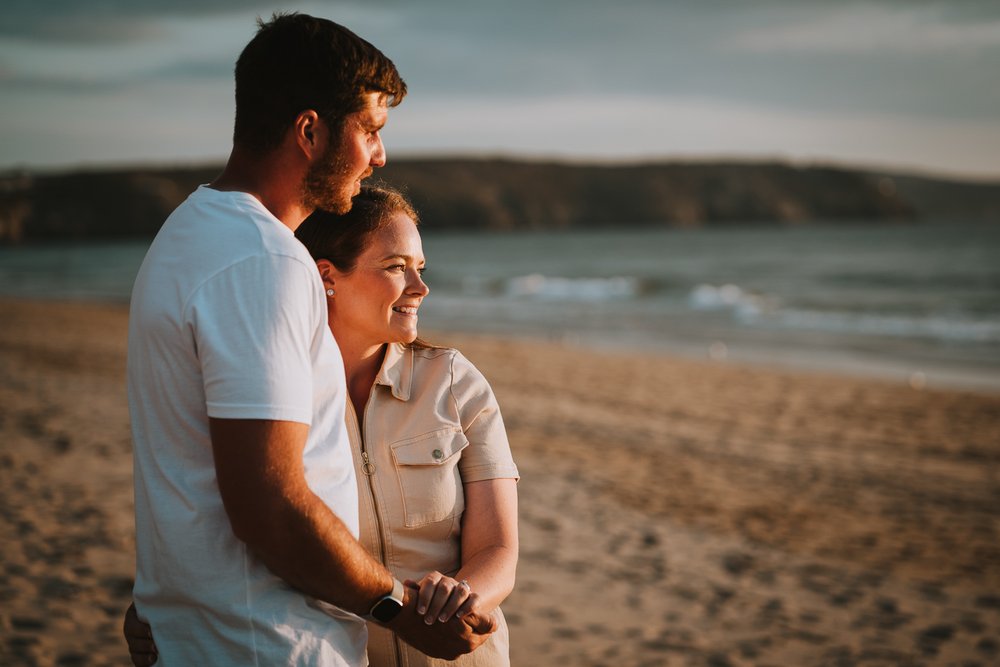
x=403 y=155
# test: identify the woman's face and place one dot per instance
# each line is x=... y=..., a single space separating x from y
x=377 y=302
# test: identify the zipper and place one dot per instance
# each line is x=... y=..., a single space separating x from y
x=368 y=469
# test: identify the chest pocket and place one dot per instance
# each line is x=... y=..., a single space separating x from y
x=429 y=478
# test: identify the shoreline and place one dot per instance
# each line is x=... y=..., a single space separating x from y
x=918 y=375
x=944 y=375
x=672 y=511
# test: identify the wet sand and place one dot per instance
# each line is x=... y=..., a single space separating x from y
x=673 y=512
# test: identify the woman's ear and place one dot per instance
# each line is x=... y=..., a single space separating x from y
x=327 y=273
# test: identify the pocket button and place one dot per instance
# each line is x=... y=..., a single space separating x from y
x=437 y=454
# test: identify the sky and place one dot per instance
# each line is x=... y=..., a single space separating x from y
x=902 y=84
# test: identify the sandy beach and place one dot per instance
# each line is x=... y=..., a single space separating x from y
x=673 y=512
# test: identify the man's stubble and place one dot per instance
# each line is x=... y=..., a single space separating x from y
x=328 y=184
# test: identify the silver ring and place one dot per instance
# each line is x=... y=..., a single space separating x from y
x=465 y=582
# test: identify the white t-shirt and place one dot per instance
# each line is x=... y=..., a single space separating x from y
x=228 y=320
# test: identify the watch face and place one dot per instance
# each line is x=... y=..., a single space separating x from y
x=386 y=610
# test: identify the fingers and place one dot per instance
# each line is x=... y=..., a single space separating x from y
x=133 y=628
x=428 y=585
x=441 y=597
x=143 y=659
x=482 y=624
x=470 y=605
x=449 y=597
x=139 y=645
x=446 y=587
x=139 y=636
x=462 y=600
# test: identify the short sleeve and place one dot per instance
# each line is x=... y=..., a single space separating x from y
x=254 y=324
x=488 y=454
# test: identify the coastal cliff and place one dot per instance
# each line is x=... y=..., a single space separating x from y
x=501 y=195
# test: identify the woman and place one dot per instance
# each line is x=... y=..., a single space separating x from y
x=437 y=484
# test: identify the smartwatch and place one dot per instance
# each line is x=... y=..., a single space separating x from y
x=386 y=608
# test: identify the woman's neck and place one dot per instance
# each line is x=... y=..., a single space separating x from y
x=362 y=362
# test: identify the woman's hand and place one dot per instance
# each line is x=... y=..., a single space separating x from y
x=441 y=597
x=139 y=636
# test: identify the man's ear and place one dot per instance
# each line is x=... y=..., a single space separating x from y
x=307 y=130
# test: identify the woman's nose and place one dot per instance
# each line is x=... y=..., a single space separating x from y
x=418 y=286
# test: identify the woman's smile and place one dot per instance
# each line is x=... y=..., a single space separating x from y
x=377 y=301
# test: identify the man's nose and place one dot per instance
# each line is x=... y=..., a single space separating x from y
x=378 y=155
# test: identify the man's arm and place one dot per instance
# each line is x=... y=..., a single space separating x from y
x=262 y=481
x=261 y=476
x=258 y=465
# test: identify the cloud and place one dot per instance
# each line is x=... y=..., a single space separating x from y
x=873 y=29
x=86 y=85
x=920 y=61
x=15 y=83
x=801 y=55
x=189 y=70
x=655 y=127
x=87 y=22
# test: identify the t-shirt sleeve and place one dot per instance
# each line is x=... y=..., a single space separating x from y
x=488 y=454
x=254 y=324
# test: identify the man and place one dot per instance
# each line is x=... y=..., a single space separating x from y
x=245 y=495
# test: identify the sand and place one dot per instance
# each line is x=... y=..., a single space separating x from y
x=673 y=512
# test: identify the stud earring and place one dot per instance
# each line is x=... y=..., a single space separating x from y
x=330 y=292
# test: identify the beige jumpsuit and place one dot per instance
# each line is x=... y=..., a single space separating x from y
x=431 y=424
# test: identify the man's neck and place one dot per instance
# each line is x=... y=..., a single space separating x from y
x=270 y=179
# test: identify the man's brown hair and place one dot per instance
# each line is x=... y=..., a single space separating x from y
x=297 y=62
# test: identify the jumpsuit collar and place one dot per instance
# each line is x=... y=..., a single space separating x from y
x=397 y=370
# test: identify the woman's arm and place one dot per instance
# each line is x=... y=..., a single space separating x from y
x=489 y=540
x=489 y=523
x=489 y=555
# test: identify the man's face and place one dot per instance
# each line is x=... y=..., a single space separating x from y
x=334 y=179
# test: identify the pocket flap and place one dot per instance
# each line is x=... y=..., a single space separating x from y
x=432 y=449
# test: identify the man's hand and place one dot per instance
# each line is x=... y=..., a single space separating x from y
x=448 y=640
x=139 y=636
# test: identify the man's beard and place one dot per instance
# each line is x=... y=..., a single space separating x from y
x=327 y=184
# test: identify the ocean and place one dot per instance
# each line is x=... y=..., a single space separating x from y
x=916 y=303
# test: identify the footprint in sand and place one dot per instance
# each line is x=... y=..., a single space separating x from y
x=988 y=646
x=930 y=639
x=988 y=602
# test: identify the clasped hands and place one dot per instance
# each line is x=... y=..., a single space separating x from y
x=440 y=617
x=440 y=597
